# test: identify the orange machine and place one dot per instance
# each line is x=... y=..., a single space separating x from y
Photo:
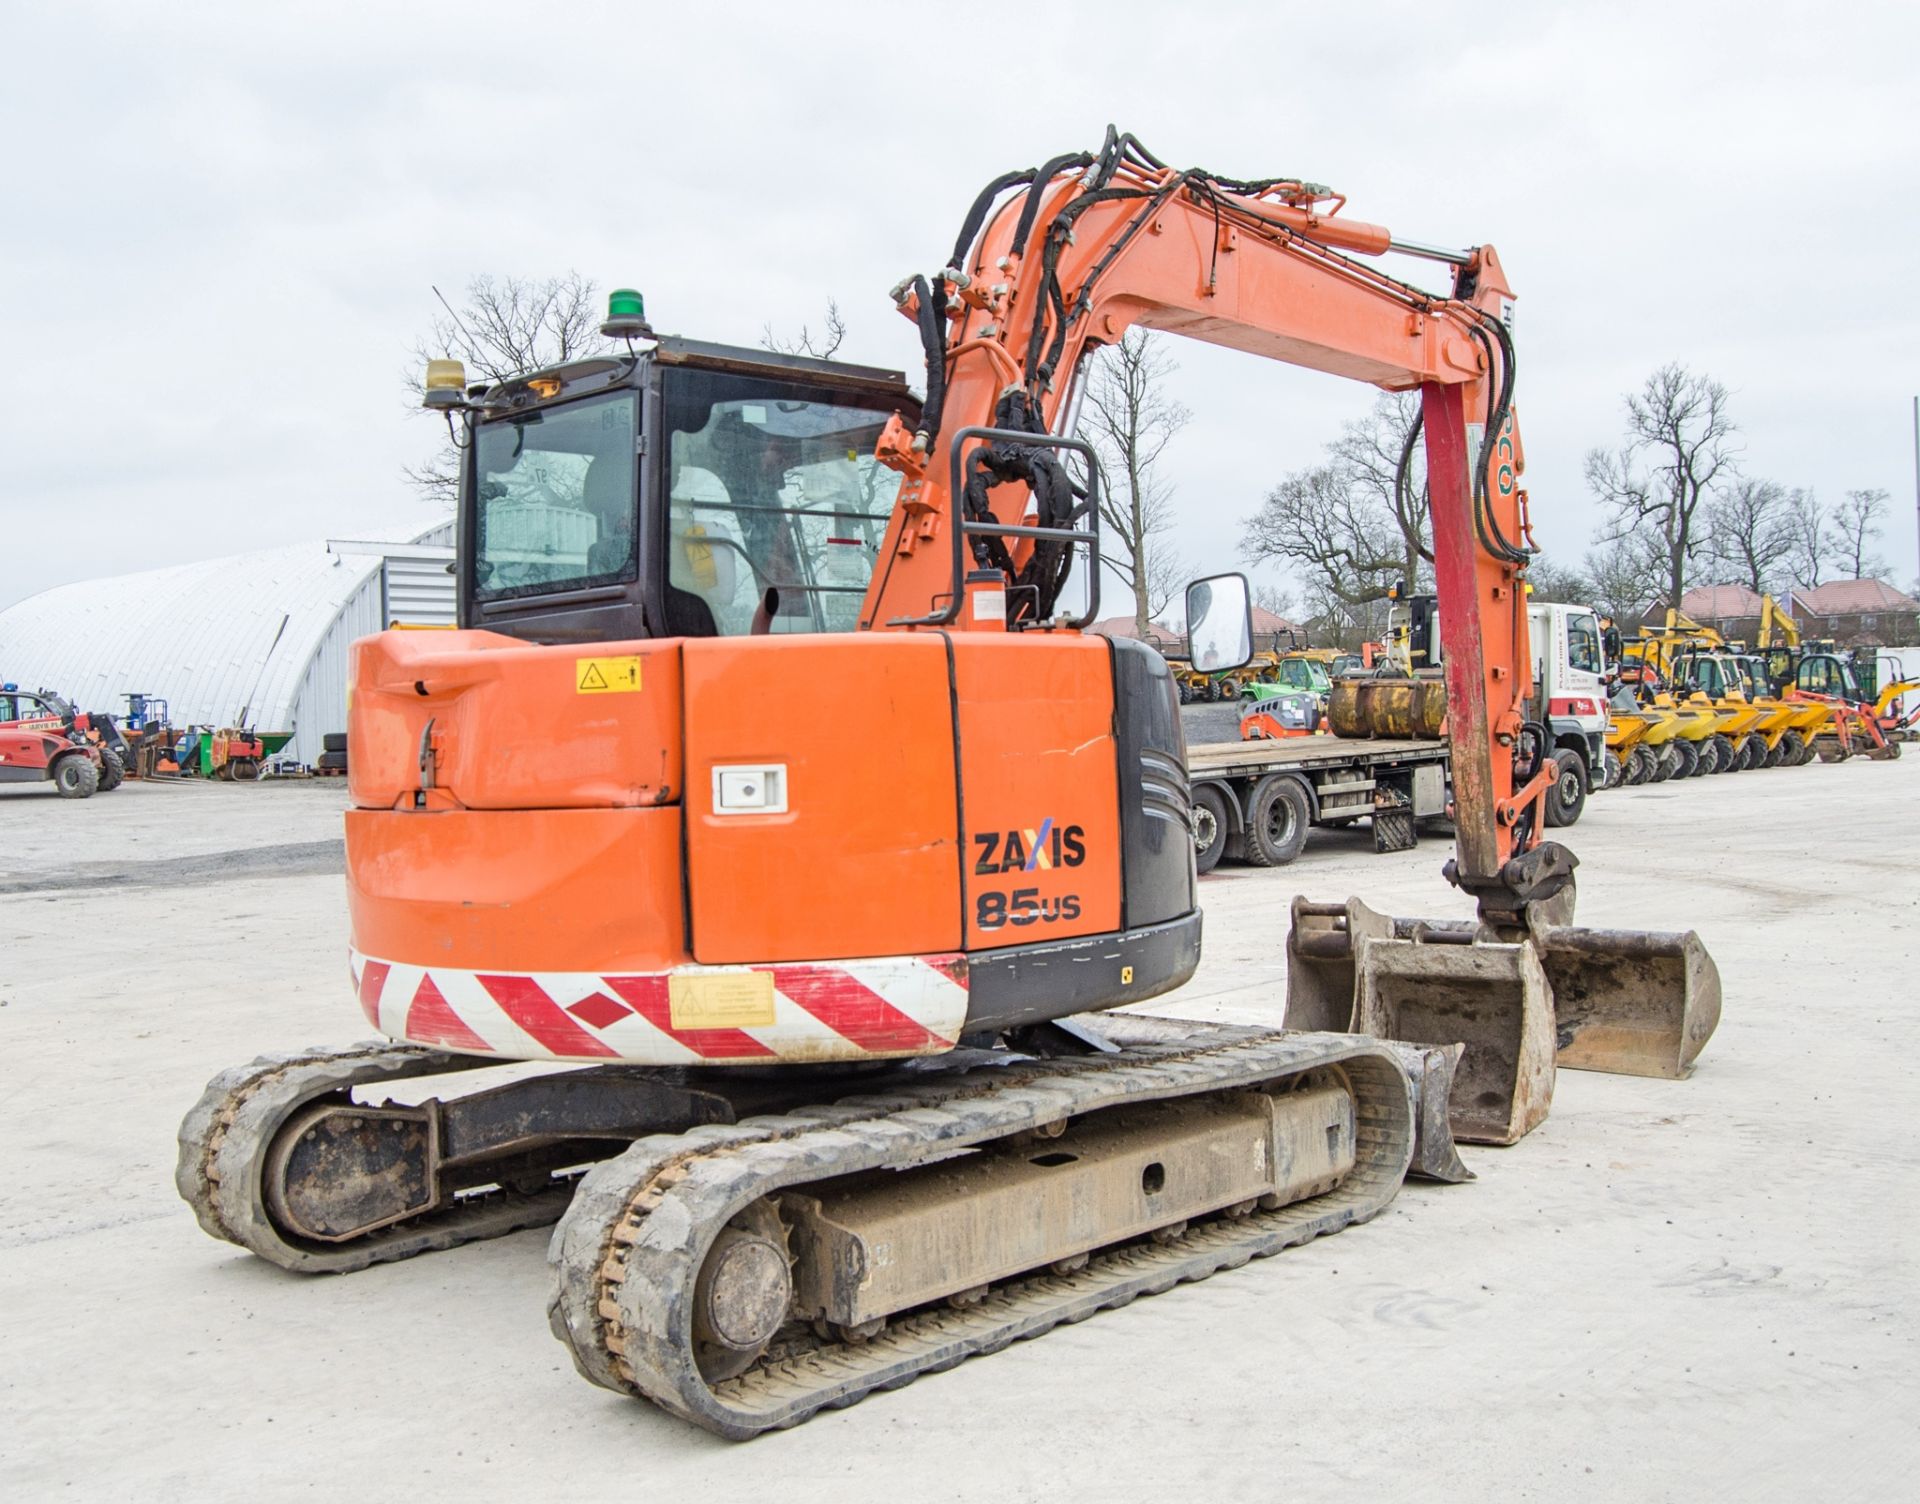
x=967 y=821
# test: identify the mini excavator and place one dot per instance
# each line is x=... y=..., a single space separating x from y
x=819 y=1117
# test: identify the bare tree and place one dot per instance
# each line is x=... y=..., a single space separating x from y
x=1337 y=534
x=1750 y=532
x=1130 y=419
x=1854 y=525
x=822 y=349
x=1369 y=451
x=1275 y=598
x=1679 y=444
x=1807 y=538
x=1569 y=585
x=506 y=325
x=1627 y=575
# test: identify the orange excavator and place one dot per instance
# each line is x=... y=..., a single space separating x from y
x=815 y=975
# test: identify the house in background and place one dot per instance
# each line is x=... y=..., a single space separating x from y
x=1856 y=613
x=1269 y=629
x=1731 y=610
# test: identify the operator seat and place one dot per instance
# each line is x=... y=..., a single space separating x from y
x=604 y=494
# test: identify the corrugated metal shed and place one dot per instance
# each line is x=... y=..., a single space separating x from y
x=259 y=639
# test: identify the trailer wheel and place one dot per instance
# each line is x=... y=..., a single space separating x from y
x=1568 y=796
x=1209 y=828
x=76 y=776
x=1277 y=819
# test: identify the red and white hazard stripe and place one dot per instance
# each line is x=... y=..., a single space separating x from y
x=822 y=1010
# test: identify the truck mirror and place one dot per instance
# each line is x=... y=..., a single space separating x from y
x=1219 y=623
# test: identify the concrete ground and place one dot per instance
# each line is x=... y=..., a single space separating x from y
x=1673 y=1290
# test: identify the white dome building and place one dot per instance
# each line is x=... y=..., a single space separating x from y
x=256 y=639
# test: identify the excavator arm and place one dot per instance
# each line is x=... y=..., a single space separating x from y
x=1053 y=263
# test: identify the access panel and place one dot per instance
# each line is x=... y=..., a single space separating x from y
x=821 y=811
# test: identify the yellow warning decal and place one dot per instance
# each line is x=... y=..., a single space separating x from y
x=721 y=1000
x=606 y=676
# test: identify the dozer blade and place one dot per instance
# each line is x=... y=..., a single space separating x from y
x=1633 y=1002
x=1430 y=1069
x=1433 y=985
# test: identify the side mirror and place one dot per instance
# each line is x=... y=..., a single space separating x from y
x=1219 y=623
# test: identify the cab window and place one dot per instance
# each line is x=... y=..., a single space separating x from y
x=555 y=498
x=1583 y=644
x=776 y=507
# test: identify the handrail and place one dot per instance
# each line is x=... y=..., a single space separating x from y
x=966 y=528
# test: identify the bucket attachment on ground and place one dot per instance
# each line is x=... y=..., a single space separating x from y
x=1433 y=986
x=1625 y=1001
x=1633 y=1002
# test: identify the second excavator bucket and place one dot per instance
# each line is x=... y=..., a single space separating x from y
x=1435 y=986
x=1633 y=1002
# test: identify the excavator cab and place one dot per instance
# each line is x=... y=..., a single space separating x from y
x=690 y=490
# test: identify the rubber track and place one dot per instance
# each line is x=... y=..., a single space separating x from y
x=626 y=1254
x=223 y=1152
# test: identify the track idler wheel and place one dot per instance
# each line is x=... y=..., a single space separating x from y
x=337 y=1171
x=742 y=1294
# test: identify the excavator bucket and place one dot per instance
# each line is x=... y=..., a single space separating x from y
x=1633 y=1002
x=1630 y=1002
x=1432 y=985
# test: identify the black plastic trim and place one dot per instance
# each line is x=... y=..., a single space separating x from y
x=1156 y=800
x=1032 y=983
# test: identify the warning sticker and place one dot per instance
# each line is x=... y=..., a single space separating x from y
x=721 y=1000
x=606 y=676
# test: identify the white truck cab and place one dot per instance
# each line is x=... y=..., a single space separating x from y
x=1569 y=677
x=1569 y=685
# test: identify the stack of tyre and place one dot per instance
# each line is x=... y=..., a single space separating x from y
x=333 y=755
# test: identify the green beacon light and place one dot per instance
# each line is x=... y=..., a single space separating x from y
x=626 y=315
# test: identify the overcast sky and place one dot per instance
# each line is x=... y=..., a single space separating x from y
x=219 y=223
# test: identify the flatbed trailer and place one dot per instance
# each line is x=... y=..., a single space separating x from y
x=1256 y=800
